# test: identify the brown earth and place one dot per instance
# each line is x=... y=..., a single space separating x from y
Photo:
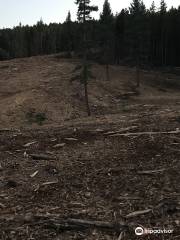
x=96 y=173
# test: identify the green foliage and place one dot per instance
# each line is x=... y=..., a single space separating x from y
x=137 y=8
x=163 y=7
x=83 y=73
x=106 y=17
x=152 y=8
x=68 y=18
x=34 y=117
x=84 y=10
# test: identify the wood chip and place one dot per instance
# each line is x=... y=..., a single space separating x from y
x=2 y=205
x=71 y=139
x=34 y=174
x=29 y=144
x=60 y=145
x=49 y=183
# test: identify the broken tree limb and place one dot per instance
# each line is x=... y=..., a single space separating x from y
x=144 y=133
x=120 y=131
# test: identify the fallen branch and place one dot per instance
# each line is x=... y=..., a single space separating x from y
x=144 y=133
x=121 y=236
x=138 y=213
x=57 y=223
x=120 y=131
x=34 y=174
x=81 y=224
x=48 y=183
x=151 y=171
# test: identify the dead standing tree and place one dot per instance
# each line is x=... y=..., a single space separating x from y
x=84 y=71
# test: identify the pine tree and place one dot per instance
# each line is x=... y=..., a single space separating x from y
x=163 y=32
x=69 y=37
x=106 y=20
x=83 y=14
x=106 y=16
x=163 y=7
x=152 y=8
x=120 y=36
x=137 y=7
x=68 y=18
x=137 y=11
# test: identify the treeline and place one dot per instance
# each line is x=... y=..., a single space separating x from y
x=136 y=35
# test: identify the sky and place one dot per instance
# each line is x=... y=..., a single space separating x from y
x=28 y=12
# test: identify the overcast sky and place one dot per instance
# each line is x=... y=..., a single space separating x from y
x=12 y=12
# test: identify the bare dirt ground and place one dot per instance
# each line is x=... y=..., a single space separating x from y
x=119 y=167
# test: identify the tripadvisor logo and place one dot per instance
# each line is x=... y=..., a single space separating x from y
x=141 y=231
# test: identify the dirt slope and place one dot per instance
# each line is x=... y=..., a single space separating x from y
x=92 y=172
x=42 y=85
